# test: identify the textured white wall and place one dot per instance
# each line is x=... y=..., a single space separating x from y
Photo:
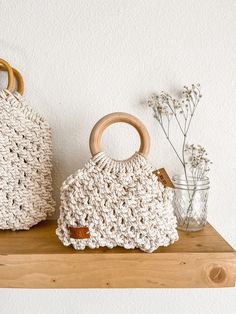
x=83 y=59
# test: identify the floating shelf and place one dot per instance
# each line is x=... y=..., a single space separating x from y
x=37 y=259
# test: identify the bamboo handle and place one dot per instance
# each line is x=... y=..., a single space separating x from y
x=6 y=67
x=19 y=80
x=102 y=124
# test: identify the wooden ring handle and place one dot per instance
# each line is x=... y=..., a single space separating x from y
x=102 y=124
x=6 y=67
x=19 y=80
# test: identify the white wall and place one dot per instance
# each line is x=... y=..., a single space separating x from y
x=83 y=59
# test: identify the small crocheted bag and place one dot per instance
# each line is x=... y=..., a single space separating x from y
x=25 y=164
x=116 y=203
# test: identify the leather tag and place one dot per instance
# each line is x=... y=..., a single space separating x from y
x=79 y=232
x=163 y=177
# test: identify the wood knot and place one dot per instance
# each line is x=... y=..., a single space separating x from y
x=217 y=274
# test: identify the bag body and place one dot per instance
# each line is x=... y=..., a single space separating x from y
x=25 y=164
x=121 y=204
x=116 y=203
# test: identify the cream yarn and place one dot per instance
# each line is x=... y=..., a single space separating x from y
x=122 y=204
x=25 y=164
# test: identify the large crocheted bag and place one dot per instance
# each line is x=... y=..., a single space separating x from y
x=25 y=164
x=116 y=203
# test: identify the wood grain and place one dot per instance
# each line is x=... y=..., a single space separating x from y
x=115 y=117
x=37 y=259
x=42 y=239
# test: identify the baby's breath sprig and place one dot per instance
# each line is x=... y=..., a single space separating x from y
x=197 y=161
x=193 y=158
x=166 y=109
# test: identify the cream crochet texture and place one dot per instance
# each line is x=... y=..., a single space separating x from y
x=122 y=204
x=25 y=164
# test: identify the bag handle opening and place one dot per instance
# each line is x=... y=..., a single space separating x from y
x=106 y=121
x=4 y=65
x=18 y=77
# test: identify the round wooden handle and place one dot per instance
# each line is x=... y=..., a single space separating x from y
x=19 y=80
x=6 y=67
x=102 y=124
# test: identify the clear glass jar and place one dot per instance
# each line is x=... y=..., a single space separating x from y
x=190 y=202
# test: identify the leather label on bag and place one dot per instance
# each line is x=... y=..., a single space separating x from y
x=79 y=232
x=163 y=177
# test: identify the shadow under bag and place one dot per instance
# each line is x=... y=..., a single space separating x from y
x=25 y=164
x=116 y=203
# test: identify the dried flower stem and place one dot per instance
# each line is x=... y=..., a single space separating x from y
x=165 y=107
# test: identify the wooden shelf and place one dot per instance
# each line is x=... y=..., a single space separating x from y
x=37 y=259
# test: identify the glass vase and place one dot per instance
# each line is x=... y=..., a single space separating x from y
x=190 y=202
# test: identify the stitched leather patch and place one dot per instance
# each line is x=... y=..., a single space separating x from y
x=79 y=232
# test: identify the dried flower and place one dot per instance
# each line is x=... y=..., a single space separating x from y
x=165 y=107
x=193 y=158
x=197 y=160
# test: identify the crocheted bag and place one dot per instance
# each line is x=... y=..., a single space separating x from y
x=116 y=203
x=25 y=163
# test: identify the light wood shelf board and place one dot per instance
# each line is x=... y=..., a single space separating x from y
x=37 y=259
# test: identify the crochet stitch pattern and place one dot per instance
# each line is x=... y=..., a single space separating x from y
x=121 y=202
x=25 y=165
